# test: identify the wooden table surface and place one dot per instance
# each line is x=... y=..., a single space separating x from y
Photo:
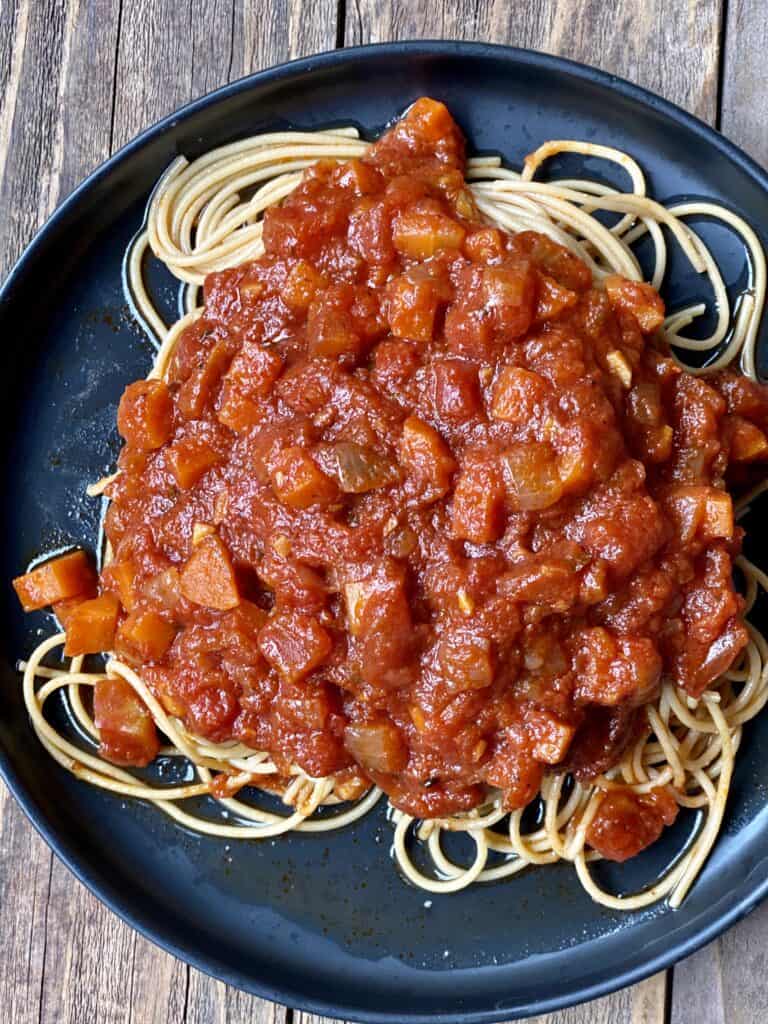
x=78 y=79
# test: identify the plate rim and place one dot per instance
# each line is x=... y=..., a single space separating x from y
x=87 y=873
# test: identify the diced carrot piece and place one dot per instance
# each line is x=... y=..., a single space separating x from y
x=91 y=626
x=413 y=300
x=421 y=232
x=190 y=458
x=477 y=514
x=360 y=178
x=301 y=286
x=427 y=456
x=208 y=578
x=299 y=482
x=145 y=414
x=637 y=298
x=197 y=390
x=294 y=644
x=63 y=609
x=518 y=395
x=120 y=576
x=66 y=576
x=748 y=442
x=247 y=385
x=126 y=728
x=145 y=635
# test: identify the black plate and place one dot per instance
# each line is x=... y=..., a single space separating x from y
x=325 y=922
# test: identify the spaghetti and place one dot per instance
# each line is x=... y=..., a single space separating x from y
x=207 y=216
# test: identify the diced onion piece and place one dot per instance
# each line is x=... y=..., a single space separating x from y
x=360 y=469
x=376 y=746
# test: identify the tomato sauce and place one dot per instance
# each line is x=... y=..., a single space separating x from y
x=420 y=501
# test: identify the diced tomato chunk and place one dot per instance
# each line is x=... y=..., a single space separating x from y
x=196 y=391
x=126 y=728
x=412 y=304
x=513 y=768
x=208 y=578
x=302 y=284
x=477 y=513
x=294 y=644
x=553 y=299
x=65 y=576
x=145 y=414
x=637 y=298
x=457 y=392
x=509 y=293
x=611 y=669
x=747 y=442
x=628 y=822
x=532 y=475
x=518 y=395
x=299 y=482
x=145 y=636
x=699 y=511
x=551 y=736
x=484 y=245
x=427 y=457
x=190 y=458
x=247 y=385
x=466 y=661
x=91 y=626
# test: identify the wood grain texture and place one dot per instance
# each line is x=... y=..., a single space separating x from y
x=632 y=39
x=744 y=113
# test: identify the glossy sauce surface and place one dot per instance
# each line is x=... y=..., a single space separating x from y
x=421 y=505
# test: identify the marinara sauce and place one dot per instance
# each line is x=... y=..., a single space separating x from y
x=422 y=504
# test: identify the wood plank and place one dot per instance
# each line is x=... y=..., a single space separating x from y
x=635 y=40
x=173 y=53
x=744 y=110
x=56 y=70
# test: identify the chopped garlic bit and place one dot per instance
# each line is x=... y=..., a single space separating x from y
x=466 y=603
x=620 y=367
x=390 y=525
x=201 y=530
x=282 y=545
